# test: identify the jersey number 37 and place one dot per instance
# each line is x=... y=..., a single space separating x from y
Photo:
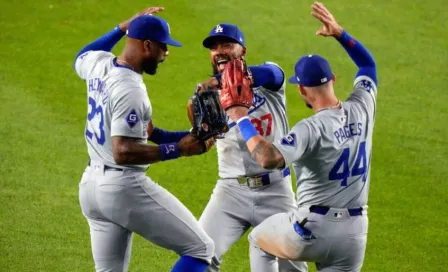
x=258 y=124
x=358 y=169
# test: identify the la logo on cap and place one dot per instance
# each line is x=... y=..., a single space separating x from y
x=218 y=29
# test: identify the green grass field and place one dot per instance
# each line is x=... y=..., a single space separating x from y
x=43 y=110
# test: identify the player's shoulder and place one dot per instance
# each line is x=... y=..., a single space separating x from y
x=93 y=62
x=305 y=125
x=364 y=90
x=364 y=94
x=278 y=92
x=125 y=76
x=274 y=66
x=320 y=121
x=123 y=81
x=95 y=55
x=268 y=62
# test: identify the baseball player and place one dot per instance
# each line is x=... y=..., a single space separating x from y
x=331 y=153
x=246 y=193
x=115 y=195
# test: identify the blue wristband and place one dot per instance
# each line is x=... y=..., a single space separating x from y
x=247 y=129
x=160 y=136
x=169 y=151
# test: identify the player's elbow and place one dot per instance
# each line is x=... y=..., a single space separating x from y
x=120 y=155
x=267 y=156
x=120 y=150
x=266 y=164
x=269 y=162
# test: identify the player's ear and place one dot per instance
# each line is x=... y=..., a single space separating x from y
x=148 y=46
x=302 y=90
x=244 y=52
x=334 y=79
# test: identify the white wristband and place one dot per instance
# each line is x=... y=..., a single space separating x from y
x=241 y=119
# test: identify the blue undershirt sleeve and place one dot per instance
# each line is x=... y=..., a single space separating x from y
x=268 y=76
x=103 y=43
x=360 y=55
x=160 y=136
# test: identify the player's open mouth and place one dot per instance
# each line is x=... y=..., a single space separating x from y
x=221 y=64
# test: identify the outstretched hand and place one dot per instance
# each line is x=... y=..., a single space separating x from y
x=330 y=26
x=152 y=10
x=191 y=146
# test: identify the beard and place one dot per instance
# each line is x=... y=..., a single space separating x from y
x=214 y=69
x=150 y=66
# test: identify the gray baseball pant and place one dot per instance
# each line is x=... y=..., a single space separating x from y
x=119 y=203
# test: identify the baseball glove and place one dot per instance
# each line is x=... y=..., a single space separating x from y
x=236 y=85
x=206 y=115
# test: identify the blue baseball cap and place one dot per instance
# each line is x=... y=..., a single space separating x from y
x=153 y=28
x=312 y=71
x=227 y=31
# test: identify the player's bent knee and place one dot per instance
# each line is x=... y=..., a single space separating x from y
x=204 y=250
x=273 y=244
x=210 y=248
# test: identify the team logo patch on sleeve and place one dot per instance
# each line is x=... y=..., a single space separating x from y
x=83 y=55
x=366 y=85
x=289 y=139
x=132 y=118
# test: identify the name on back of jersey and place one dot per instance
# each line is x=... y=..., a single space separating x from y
x=346 y=132
x=97 y=85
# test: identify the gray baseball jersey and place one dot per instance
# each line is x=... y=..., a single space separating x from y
x=118 y=105
x=118 y=203
x=268 y=115
x=331 y=151
x=234 y=207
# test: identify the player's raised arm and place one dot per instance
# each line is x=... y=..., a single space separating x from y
x=359 y=54
x=236 y=97
x=103 y=43
x=107 y=41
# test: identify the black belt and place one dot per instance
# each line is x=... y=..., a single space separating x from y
x=110 y=168
x=324 y=210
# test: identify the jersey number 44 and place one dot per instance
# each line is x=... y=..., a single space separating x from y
x=359 y=168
